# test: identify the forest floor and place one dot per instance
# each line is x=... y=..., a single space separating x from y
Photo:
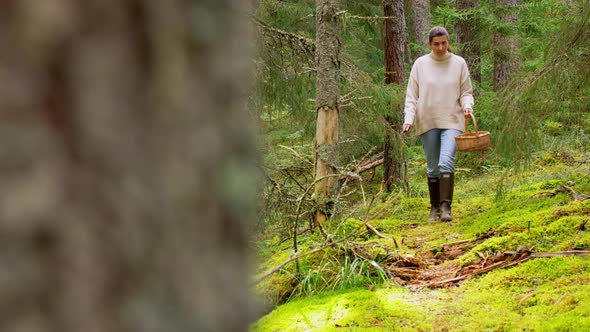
x=518 y=262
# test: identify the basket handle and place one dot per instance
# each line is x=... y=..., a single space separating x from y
x=474 y=124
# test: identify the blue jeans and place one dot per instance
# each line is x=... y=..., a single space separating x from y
x=439 y=147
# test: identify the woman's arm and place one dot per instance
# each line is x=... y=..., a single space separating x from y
x=466 y=96
x=412 y=94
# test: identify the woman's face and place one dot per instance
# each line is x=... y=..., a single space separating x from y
x=439 y=45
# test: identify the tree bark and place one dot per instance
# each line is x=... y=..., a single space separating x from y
x=421 y=23
x=328 y=26
x=467 y=36
x=394 y=42
x=505 y=42
x=120 y=156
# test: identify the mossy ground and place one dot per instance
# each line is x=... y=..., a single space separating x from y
x=535 y=213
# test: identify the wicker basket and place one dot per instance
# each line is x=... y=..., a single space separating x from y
x=479 y=140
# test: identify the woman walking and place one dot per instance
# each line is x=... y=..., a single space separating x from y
x=438 y=99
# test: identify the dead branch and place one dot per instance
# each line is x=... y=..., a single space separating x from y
x=561 y=253
x=527 y=297
x=503 y=260
x=307 y=44
x=452 y=244
x=374 y=264
x=296 y=154
x=377 y=156
x=454 y=281
x=560 y=299
x=299 y=206
x=577 y=196
x=299 y=255
x=296 y=256
x=371 y=165
x=370 y=18
x=373 y=158
x=373 y=229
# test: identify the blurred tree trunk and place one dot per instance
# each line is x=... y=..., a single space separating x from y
x=421 y=24
x=505 y=42
x=467 y=36
x=122 y=157
x=394 y=42
x=328 y=46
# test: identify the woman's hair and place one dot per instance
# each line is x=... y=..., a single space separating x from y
x=437 y=32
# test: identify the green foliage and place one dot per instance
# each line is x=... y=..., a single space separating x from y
x=555 y=91
x=335 y=271
x=297 y=16
x=446 y=16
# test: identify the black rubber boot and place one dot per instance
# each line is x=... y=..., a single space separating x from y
x=447 y=182
x=434 y=191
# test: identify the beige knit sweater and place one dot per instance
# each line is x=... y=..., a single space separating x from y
x=439 y=89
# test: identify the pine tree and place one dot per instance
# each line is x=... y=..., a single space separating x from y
x=328 y=47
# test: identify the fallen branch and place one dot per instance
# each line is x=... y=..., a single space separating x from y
x=373 y=229
x=297 y=256
x=560 y=299
x=560 y=253
x=453 y=281
x=527 y=297
x=507 y=261
x=452 y=244
x=295 y=153
x=371 y=165
x=355 y=17
x=577 y=196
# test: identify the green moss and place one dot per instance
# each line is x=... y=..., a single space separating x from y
x=276 y=288
x=385 y=309
x=581 y=241
x=348 y=227
x=540 y=295
x=536 y=214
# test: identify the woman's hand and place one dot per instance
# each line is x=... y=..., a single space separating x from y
x=407 y=127
x=468 y=112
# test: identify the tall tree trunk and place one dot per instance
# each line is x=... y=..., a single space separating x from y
x=421 y=23
x=120 y=205
x=505 y=42
x=467 y=36
x=394 y=42
x=328 y=26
